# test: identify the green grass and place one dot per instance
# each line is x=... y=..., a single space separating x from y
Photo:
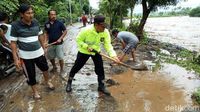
x=196 y=96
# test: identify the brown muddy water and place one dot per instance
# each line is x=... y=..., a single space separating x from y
x=182 y=31
x=166 y=90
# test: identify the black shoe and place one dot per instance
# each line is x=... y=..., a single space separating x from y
x=104 y=90
x=69 y=87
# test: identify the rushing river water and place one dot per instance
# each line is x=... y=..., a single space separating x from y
x=183 y=31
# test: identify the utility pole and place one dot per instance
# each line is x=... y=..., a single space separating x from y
x=89 y=9
x=70 y=12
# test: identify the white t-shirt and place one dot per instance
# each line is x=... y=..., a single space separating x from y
x=7 y=35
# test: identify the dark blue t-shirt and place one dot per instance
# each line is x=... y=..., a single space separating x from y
x=54 y=30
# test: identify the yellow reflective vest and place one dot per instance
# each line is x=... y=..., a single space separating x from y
x=88 y=37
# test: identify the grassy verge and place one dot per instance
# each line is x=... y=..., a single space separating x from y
x=196 y=96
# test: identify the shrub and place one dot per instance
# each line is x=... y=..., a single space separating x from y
x=195 y=12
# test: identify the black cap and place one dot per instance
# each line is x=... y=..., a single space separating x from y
x=99 y=19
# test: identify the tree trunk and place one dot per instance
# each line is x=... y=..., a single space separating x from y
x=121 y=15
x=110 y=14
x=132 y=7
x=113 y=18
x=131 y=20
x=145 y=15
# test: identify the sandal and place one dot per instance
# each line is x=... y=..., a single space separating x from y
x=37 y=96
x=50 y=86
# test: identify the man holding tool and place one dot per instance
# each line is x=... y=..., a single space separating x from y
x=55 y=31
x=128 y=41
x=89 y=40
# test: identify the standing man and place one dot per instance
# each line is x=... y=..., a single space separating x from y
x=84 y=20
x=88 y=40
x=26 y=37
x=55 y=31
x=128 y=41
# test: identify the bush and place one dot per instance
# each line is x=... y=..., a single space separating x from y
x=133 y=27
x=196 y=96
x=195 y=12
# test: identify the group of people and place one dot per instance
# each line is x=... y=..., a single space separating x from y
x=86 y=20
x=27 y=42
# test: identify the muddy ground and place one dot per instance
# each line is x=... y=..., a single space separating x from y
x=163 y=90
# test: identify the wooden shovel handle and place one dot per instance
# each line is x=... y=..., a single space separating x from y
x=121 y=63
x=110 y=58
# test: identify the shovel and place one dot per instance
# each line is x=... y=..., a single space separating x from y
x=121 y=63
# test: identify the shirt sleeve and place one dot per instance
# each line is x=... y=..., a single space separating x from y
x=107 y=44
x=80 y=39
x=13 y=33
x=45 y=26
x=63 y=28
x=41 y=32
x=119 y=38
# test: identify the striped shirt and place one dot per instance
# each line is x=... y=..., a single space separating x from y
x=26 y=37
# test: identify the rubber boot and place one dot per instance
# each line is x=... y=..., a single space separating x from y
x=69 y=85
x=103 y=89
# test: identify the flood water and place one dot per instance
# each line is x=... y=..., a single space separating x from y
x=183 y=31
x=134 y=91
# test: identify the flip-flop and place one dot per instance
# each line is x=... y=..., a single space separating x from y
x=50 y=86
x=37 y=97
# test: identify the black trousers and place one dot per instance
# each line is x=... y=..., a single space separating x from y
x=29 y=68
x=98 y=63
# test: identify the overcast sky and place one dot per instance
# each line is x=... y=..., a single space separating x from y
x=189 y=3
x=94 y=3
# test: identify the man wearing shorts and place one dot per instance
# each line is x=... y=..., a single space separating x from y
x=28 y=48
x=55 y=31
x=128 y=41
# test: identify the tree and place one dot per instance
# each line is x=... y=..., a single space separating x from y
x=148 y=6
x=115 y=10
x=41 y=8
x=132 y=5
x=10 y=7
x=195 y=12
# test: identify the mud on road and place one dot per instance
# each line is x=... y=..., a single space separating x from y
x=132 y=91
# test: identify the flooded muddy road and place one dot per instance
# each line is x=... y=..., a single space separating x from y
x=131 y=91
